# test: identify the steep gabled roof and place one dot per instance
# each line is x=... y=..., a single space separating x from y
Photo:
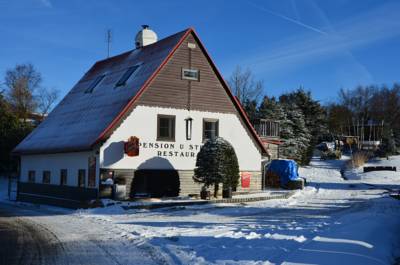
x=83 y=120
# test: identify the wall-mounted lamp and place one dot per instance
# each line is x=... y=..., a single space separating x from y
x=188 y=121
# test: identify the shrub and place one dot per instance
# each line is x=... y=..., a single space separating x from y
x=331 y=154
x=217 y=163
x=358 y=159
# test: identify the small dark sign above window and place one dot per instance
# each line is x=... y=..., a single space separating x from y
x=190 y=74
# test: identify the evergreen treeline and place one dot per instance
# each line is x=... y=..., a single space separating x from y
x=302 y=122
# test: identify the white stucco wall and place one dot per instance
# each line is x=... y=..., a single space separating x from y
x=142 y=123
x=54 y=163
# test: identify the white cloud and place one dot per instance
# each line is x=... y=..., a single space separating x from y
x=376 y=25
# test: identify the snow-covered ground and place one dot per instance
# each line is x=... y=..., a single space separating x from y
x=332 y=221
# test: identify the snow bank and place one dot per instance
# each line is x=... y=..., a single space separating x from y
x=338 y=240
x=299 y=239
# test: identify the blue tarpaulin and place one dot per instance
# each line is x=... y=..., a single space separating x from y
x=285 y=169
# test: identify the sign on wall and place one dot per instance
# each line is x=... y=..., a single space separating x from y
x=131 y=147
x=172 y=149
x=245 y=177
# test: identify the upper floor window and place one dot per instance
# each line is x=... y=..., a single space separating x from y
x=210 y=129
x=63 y=177
x=31 y=175
x=165 y=128
x=46 y=177
x=94 y=84
x=190 y=74
x=124 y=78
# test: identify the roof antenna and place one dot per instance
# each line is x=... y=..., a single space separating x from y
x=108 y=40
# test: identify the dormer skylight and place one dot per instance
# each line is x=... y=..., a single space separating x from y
x=95 y=82
x=126 y=75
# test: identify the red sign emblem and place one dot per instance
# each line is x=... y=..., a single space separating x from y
x=246 y=177
x=131 y=147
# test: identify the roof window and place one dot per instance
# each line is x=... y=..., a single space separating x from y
x=126 y=75
x=94 y=84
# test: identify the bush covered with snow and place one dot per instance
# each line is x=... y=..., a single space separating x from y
x=217 y=163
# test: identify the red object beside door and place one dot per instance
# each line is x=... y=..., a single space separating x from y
x=246 y=177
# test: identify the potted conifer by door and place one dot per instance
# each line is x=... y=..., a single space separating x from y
x=217 y=163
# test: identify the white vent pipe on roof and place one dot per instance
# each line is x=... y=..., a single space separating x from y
x=145 y=37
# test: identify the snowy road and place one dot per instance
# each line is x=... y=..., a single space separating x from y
x=46 y=236
x=332 y=221
x=25 y=242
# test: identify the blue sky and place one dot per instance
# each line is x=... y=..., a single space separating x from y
x=320 y=45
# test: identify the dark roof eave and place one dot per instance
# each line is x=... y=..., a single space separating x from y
x=50 y=151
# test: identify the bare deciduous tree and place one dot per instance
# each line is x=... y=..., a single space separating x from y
x=21 y=83
x=244 y=86
x=46 y=99
x=25 y=92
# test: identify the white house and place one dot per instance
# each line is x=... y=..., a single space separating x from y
x=138 y=119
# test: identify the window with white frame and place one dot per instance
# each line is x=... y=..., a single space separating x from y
x=210 y=129
x=165 y=127
x=190 y=74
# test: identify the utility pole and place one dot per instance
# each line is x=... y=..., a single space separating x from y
x=108 y=40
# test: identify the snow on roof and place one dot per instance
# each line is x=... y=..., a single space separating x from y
x=78 y=120
x=82 y=120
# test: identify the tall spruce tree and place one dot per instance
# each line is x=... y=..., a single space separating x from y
x=315 y=117
x=296 y=136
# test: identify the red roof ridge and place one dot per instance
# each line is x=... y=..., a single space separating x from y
x=246 y=120
x=144 y=86
x=233 y=98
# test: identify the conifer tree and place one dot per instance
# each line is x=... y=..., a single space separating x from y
x=217 y=163
x=296 y=135
x=315 y=118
